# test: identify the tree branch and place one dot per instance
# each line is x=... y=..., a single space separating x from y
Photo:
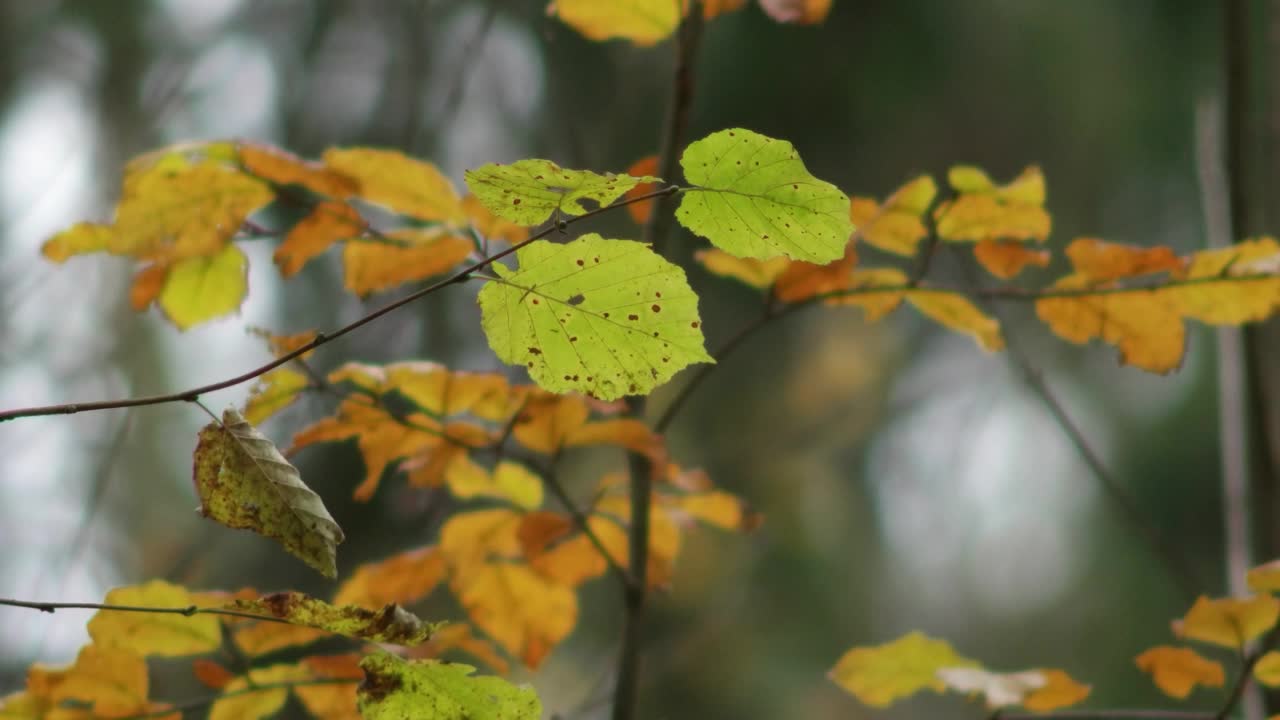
x=194 y=394
x=187 y=611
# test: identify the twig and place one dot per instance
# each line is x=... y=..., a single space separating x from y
x=321 y=338
x=261 y=687
x=187 y=611
x=1246 y=671
x=550 y=479
x=656 y=232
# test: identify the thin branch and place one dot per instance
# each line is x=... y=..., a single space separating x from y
x=656 y=233
x=260 y=687
x=193 y=394
x=1246 y=672
x=187 y=611
x=552 y=481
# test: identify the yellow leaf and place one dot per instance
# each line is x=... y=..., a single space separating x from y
x=470 y=539
x=521 y=610
x=754 y=272
x=201 y=288
x=574 y=560
x=402 y=578
x=897 y=225
x=984 y=211
x=1143 y=324
x=1229 y=622
x=273 y=392
x=1267 y=669
x=1059 y=691
x=257 y=704
x=1099 y=260
x=374 y=266
x=1265 y=578
x=509 y=481
x=332 y=702
x=716 y=507
x=643 y=22
x=405 y=185
x=146 y=634
x=112 y=679
x=79 y=239
x=1007 y=258
x=882 y=674
x=328 y=223
x=491 y=226
x=284 y=168
x=863 y=292
x=956 y=312
x=1231 y=301
x=1176 y=671
x=263 y=638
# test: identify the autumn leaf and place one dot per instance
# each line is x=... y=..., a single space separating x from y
x=803 y=12
x=389 y=624
x=283 y=168
x=1265 y=578
x=408 y=186
x=712 y=9
x=529 y=192
x=1229 y=622
x=373 y=266
x=328 y=223
x=644 y=167
x=643 y=22
x=549 y=423
x=1006 y=258
x=244 y=482
x=1267 y=669
x=1100 y=261
x=1217 y=292
x=146 y=286
x=759 y=274
x=524 y=612
x=394 y=689
x=1145 y=325
x=263 y=637
x=145 y=634
x=332 y=701
x=954 y=311
x=603 y=317
x=200 y=288
x=803 y=280
x=509 y=481
x=1058 y=691
x=751 y=196
x=882 y=674
x=459 y=636
x=273 y=392
x=402 y=578
x=491 y=226
x=985 y=211
x=211 y=674
x=471 y=539
x=999 y=689
x=113 y=680
x=865 y=291
x=1176 y=671
x=257 y=704
x=897 y=226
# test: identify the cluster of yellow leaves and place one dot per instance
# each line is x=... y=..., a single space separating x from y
x=884 y=674
x=648 y=22
x=1099 y=299
x=182 y=209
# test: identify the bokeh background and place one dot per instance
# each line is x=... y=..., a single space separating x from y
x=908 y=479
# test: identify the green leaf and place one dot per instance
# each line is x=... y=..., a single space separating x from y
x=434 y=690
x=753 y=197
x=244 y=482
x=392 y=624
x=201 y=288
x=603 y=317
x=529 y=191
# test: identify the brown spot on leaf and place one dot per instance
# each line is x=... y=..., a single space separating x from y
x=695 y=324
x=535 y=351
x=633 y=317
x=656 y=307
x=576 y=299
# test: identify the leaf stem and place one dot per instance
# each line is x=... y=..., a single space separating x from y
x=194 y=393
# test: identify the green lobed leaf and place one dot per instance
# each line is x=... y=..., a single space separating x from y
x=244 y=482
x=603 y=317
x=753 y=198
x=394 y=689
x=529 y=191
x=391 y=624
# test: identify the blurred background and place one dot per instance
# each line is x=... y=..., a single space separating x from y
x=908 y=479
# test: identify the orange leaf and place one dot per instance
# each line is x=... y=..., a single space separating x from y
x=1059 y=691
x=710 y=10
x=261 y=704
x=1143 y=324
x=332 y=701
x=550 y=422
x=458 y=636
x=401 y=183
x=1176 y=671
x=645 y=166
x=984 y=211
x=574 y=560
x=211 y=674
x=113 y=680
x=471 y=539
x=756 y=273
x=803 y=280
x=1007 y=258
x=402 y=578
x=643 y=22
x=491 y=226
x=1228 y=622
x=285 y=168
x=897 y=225
x=1099 y=260
x=374 y=266
x=146 y=286
x=264 y=638
x=328 y=223
x=521 y=610
x=864 y=291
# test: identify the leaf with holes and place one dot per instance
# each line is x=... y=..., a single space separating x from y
x=603 y=317
x=244 y=482
x=436 y=690
x=389 y=624
x=529 y=191
x=753 y=197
